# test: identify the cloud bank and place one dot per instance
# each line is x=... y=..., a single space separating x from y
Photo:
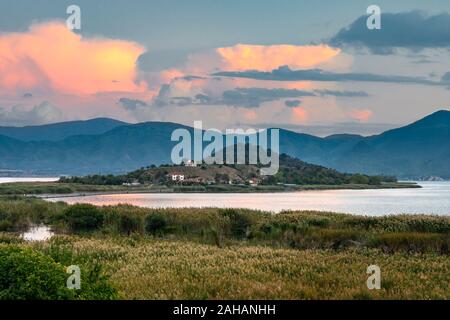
x=411 y=30
x=266 y=58
x=50 y=56
x=286 y=74
x=42 y=113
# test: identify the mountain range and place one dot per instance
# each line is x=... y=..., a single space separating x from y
x=421 y=149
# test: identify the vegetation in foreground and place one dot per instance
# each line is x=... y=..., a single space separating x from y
x=138 y=253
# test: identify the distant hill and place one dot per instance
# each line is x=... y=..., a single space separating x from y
x=62 y=130
x=119 y=150
x=417 y=150
x=292 y=171
x=421 y=149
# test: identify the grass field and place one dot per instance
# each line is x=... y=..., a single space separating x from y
x=127 y=252
x=162 y=269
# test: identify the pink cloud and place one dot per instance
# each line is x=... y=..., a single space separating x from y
x=299 y=115
x=50 y=56
x=259 y=57
x=266 y=58
x=362 y=115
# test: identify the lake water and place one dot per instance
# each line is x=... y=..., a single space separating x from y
x=433 y=198
x=37 y=233
x=36 y=179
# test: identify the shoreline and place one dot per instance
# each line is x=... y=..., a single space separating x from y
x=401 y=185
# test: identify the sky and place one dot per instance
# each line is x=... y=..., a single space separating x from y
x=307 y=66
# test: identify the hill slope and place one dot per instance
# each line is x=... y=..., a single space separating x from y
x=417 y=150
x=62 y=130
x=292 y=172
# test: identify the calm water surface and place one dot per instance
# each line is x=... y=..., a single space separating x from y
x=36 y=179
x=37 y=233
x=433 y=198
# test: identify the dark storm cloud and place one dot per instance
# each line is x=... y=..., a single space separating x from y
x=253 y=97
x=411 y=30
x=336 y=93
x=446 y=78
x=292 y=103
x=250 y=97
x=131 y=104
x=286 y=74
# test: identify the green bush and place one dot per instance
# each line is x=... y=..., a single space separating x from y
x=408 y=223
x=240 y=222
x=26 y=274
x=84 y=217
x=412 y=242
x=6 y=225
x=95 y=285
x=268 y=228
x=318 y=222
x=359 y=179
x=155 y=224
x=365 y=223
x=130 y=223
x=324 y=239
x=29 y=275
x=10 y=238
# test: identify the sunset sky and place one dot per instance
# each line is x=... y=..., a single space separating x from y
x=308 y=66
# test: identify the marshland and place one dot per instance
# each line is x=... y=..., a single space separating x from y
x=128 y=252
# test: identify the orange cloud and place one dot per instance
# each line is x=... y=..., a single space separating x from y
x=250 y=115
x=49 y=55
x=266 y=58
x=299 y=115
x=361 y=115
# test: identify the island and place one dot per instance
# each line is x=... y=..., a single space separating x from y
x=293 y=175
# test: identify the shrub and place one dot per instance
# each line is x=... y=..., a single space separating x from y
x=34 y=275
x=130 y=223
x=155 y=224
x=324 y=238
x=6 y=225
x=412 y=242
x=268 y=228
x=240 y=222
x=405 y=223
x=95 y=285
x=83 y=217
x=365 y=223
x=10 y=238
x=318 y=222
x=359 y=179
x=375 y=180
x=26 y=274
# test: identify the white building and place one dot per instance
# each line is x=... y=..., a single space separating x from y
x=132 y=184
x=178 y=177
x=191 y=163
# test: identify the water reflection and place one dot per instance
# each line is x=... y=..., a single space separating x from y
x=38 y=233
x=433 y=198
x=26 y=179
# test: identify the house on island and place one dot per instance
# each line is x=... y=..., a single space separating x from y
x=177 y=177
x=254 y=182
x=190 y=163
x=132 y=184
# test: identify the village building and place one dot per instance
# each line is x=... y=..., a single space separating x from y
x=191 y=163
x=177 y=177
